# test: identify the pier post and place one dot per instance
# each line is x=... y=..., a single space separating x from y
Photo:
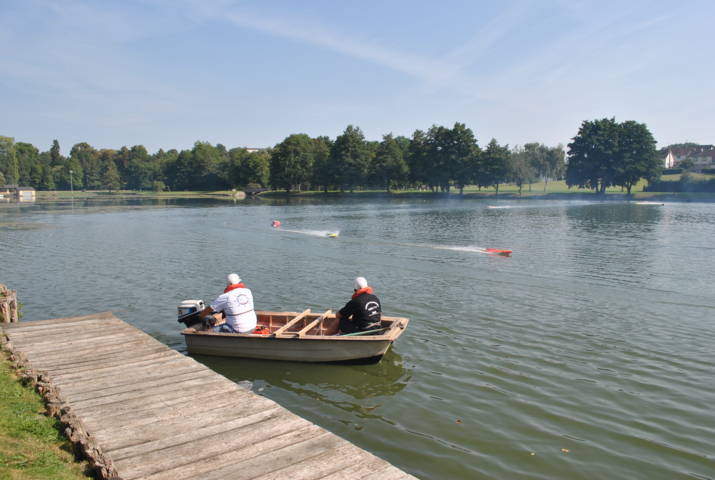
x=8 y=305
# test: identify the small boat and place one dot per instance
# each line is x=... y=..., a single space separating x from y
x=332 y=235
x=296 y=337
x=496 y=251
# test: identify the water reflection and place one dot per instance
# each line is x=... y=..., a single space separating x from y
x=355 y=383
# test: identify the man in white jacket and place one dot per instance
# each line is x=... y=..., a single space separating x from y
x=236 y=303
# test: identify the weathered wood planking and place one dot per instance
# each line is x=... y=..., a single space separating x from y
x=159 y=415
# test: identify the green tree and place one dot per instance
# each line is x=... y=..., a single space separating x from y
x=418 y=158
x=605 y=153
x=55 y=156
x=389 y=166
x=208 y=163
x=258 y=167
x=637 y=155
x=593 y=155
x=292 y=162
x=29 y=169
x=109 y=173
x=324 y=174
x=463 y=155
x=521 y=169
x=350 y=156
x=494 y=165
x=87 y=157
x=8 y=160
x=140 y=171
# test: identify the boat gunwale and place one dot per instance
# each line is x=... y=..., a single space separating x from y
x=399 y=324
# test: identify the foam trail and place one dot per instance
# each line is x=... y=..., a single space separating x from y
x=498 y=206
x=313 y=233
x=453 y=248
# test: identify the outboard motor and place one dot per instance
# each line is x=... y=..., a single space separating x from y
x=189 y=313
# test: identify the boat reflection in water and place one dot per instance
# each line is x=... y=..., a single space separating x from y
x=359 y=389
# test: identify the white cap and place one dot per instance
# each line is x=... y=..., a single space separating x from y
x=233 y=278
x=360 y=282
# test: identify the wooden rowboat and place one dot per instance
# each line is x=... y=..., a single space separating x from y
x=297 y=337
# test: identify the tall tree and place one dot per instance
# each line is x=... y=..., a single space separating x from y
x=606 y=153
x=324 y=173
x=29 y=170
x=292 y=162
x=463 y=155
x=494 y=165
x=593 y=155
x=109 y=173
x=418 y=159
x=521 y=168
x=351 y=157
x=8 y=160
x=637 y=154
x=55 y=156
x=389 y=166
x=87 y=157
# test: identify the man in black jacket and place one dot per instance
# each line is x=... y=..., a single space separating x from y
x=362 y=312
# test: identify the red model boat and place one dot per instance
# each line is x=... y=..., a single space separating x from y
x=496 y=251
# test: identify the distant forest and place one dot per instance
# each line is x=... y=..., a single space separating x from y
x=438 y=159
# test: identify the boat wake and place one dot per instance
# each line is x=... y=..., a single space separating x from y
x=314 y=233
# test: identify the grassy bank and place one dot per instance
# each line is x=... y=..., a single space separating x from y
x=31 y=445
x=552 y=189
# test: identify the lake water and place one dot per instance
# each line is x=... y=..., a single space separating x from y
x=590 y=353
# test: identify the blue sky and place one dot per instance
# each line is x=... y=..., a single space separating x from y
x=165 y=73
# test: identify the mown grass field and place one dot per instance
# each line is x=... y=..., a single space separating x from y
x=31 y=445
x=557 y=187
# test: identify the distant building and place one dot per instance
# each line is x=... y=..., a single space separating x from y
x=21 y=194
x=702 y=156
x=254 y=149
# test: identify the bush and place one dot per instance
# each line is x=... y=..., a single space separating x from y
x=709 y=171
x=672 y=171
x=158 y=186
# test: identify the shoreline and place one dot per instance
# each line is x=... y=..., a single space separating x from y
x=681 y=197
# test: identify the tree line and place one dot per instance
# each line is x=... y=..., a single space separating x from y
x=437 y=159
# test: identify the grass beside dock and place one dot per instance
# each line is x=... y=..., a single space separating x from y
x=31 y=444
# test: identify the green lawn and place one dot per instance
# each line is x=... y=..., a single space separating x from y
x=535 y=189
x=31 y=445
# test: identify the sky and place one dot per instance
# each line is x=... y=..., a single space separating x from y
x=168 y=73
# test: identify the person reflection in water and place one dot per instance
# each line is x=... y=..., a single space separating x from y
x=363 y=312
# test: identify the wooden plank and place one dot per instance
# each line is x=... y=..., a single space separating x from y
x=259 y=449
x=215 y=413
x=76 y=337
x=78 y=331
x=251 y=465
x=145 y=389
x=154 y=406
x=161 y=412
x=150 y=376
x=199 y=433
x=290 y=323
x=78 y=343
x=67 y=357
x=336 y=459
x=363 y=468
x=134 y=400
x=187 y=453
x=315 y=322
x=64 y=320
x=109 y=365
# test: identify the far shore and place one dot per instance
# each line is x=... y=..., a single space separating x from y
x=470 y=193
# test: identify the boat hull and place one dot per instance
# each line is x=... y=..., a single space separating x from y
x=309 y=338
x=294 y=350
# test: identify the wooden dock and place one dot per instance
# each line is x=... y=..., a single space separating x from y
x=140 y=410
